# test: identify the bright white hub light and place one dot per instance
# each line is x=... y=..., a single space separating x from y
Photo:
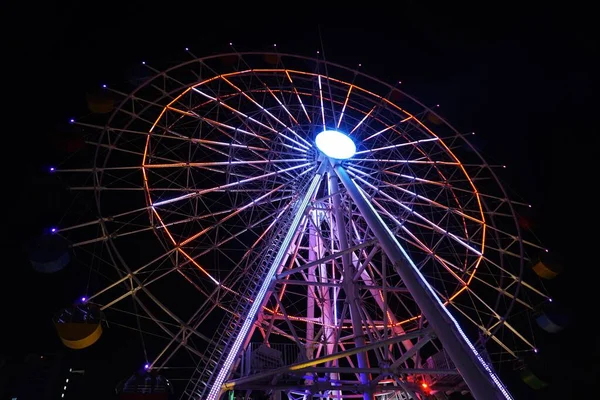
x=335 y=144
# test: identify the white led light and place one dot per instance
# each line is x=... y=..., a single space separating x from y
x=335 y=144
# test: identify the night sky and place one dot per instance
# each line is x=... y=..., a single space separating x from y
x=522 y=79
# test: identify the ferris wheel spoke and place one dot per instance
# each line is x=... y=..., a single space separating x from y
x=114 y=217
x=134 y=289
x=259 y=223
x=218 y=124
x=344 y=106
x=113 y=148
x=488 y=332
x=429 y=201
x=138 y=287
x=515 y=238
x=204 y=163
x=216 y=163
x=238 y=265
x=432 y=230
x=387 y=128
x=395 y=146
x=491 y=312
x=321 y=102
x=217 y=102
x=485 y=332
x=244 y=93
x=128 y=276
x=402 y=161
x=254 y=149
x=295 y=90
x=238 y=210
x=236 y=160
x=229 y=144
x=218 y=242
x=298 y=146
x=514 y=278
x=502 y=290
x=433 y=225
x=112 y=235
x=464 y=286
x=430 y=251
x=451 y=185
x=229 y=185
x=213 y=300
x=239 y=114
x=138 y=118
x=294 y=121
x=367 y=115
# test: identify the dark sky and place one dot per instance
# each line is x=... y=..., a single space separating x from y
x=521 y=78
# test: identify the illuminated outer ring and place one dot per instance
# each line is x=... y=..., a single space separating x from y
x=212 y=152
x=478 y=215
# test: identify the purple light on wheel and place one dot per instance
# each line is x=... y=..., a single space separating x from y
x=52 y=230
x=52 y=169
x=104 y=86
x=146 y=366
x=72 y=120
x=83 y=299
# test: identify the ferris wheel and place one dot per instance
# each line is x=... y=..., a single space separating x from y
x=281 y=224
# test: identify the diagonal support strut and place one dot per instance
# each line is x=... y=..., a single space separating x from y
x=478 y=375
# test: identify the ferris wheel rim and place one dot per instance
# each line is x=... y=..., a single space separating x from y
x=113 y=247
x=369 y=77
x=356 y=72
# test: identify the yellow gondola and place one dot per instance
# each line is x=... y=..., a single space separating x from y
x=546 y=267
x=79 y=326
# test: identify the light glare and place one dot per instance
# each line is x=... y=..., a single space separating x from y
x=335 y=144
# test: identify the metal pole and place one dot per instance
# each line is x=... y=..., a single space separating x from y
x=482 y=381
x=225 y=369
x=348 y=282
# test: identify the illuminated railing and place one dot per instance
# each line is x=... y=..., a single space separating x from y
x=223 y=351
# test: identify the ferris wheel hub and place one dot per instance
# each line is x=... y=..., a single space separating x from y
x=335 y=144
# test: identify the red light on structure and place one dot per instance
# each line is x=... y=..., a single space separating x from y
x=424 y=385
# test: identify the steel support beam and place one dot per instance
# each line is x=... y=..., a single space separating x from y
x=348 y=272
x=300 y=212
x=311 y=363
x=478 y=375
